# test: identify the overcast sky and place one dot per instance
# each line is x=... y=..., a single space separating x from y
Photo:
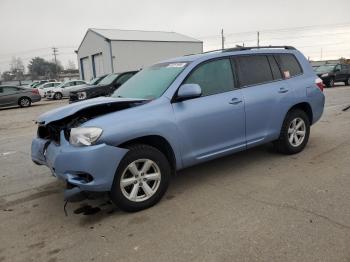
x=30 y=27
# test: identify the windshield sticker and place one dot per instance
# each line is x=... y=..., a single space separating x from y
x=176 y=65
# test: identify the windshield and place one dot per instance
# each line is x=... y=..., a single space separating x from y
x=324 y=69
x=96 y=80
x=151 y=82
x=108 y=79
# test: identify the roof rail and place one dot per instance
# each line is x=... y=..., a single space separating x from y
x=242 y=48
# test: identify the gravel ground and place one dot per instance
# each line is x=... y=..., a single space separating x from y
x=252 y=206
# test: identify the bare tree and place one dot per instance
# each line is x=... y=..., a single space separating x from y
x=17 y=67
x=71 y=65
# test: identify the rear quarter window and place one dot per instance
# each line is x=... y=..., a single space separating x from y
x=289 y=65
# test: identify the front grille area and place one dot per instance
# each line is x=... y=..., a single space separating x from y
x=49 y=132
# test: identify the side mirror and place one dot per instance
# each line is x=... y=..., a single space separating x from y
x=188 y=91
x=336 y=70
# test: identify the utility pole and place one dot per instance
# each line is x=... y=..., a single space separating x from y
x=55 y=53
x=222 y=39
x=258 y=42
x=321 y=53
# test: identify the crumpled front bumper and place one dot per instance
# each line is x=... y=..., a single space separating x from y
x=72 y=164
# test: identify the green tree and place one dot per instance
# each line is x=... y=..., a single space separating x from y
x=39 y=67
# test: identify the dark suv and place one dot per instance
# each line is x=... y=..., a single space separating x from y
x=104 y=88
x=332 y=73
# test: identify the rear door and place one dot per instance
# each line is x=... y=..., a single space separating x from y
x=213 y=124
x=265 y=94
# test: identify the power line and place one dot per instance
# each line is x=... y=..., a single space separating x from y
x=35 y=50
x=286 y=29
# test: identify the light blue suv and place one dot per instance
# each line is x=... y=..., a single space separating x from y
x=176 y=114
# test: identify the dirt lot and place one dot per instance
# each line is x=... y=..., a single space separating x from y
x=253 y=206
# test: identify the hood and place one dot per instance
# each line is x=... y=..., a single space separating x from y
x=88 y=88
x=108 y=104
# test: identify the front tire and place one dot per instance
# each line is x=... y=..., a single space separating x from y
x=347 y=82
x=330 y=83
x=141 y=179
x=294 y=134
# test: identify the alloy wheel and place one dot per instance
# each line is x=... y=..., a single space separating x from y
x=25 y=102
x=296 y=132
x=140 y=180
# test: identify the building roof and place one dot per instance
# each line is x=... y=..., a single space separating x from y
x=137 y=35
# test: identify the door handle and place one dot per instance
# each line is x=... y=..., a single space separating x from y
x=235 y=101
x=283 y=90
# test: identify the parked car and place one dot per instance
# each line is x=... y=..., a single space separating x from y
x=333 y=73
x=95 y=81
x=37 y=83
x=14 y=95
x=176 y=114
x=105 y=88
x=58 y=92
x=43 y=87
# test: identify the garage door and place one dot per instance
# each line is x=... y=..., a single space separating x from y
x=85 y=69
x=97 y=61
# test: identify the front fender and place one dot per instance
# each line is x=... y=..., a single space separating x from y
x=153 y=119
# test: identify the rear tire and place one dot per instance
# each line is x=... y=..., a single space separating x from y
x=57 y=96
x=24 y=102
x=141 y=179
x=294 y=133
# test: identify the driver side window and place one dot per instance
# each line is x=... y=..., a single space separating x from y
x=213 y=77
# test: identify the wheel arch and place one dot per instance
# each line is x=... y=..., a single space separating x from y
x=159 y=142
x=306 y=107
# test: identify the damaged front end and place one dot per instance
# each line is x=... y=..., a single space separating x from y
x=84 y=168
x=51 y=127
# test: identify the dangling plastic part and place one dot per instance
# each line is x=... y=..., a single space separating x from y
x=64 y=208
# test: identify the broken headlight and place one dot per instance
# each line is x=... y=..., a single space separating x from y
x=81 y=95
x=84 y=136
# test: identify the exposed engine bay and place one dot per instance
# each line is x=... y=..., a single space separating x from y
x=53 y=129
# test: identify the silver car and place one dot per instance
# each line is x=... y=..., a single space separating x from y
x=14 y=95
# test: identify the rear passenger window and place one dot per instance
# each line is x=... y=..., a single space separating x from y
x=213 y=77
x=289 y=65
x=276 y=72
x=253 y=70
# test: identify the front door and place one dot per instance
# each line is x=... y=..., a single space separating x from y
x=9 y=95
x=213 y=124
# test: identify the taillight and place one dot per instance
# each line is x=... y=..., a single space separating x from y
x=319 y=83
x=35 y=91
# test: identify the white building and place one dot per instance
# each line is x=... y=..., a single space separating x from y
x=104 y=51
